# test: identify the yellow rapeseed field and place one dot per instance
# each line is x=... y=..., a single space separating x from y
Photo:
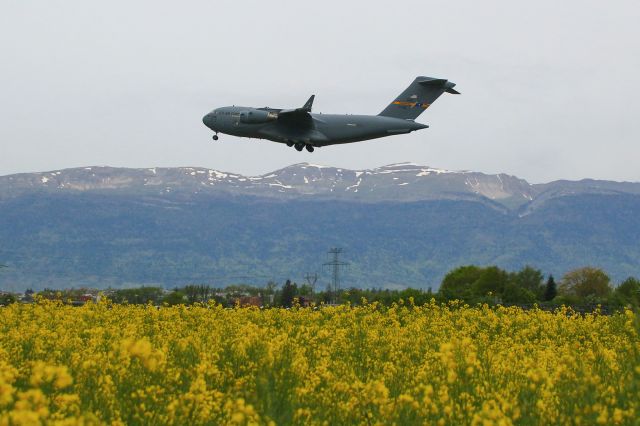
x=434 y=364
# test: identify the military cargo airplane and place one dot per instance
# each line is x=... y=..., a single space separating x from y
x=302 y=129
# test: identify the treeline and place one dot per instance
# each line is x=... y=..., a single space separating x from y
x=582 y=286
x=471 y=284
x=587 y=286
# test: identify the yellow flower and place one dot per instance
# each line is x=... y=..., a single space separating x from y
x=406 y=364
x=617 y=416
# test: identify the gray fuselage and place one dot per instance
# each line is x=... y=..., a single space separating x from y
x=316 y=130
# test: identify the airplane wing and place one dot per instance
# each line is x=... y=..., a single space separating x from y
x=298 y=114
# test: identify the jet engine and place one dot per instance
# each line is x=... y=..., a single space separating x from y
x=256 y=116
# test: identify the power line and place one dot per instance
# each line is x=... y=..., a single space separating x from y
x=335 y=265
x=311 y=280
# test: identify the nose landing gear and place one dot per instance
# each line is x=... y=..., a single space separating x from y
x=215 y=137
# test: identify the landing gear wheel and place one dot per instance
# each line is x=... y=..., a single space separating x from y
x=215 y=137
x=299 y=147
x=309 y=148
x=289 y=144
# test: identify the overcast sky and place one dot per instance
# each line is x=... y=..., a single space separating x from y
x=550 y=89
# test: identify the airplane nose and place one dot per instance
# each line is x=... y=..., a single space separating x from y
x=207 y=120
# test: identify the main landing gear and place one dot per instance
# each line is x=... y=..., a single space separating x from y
x=299 y=146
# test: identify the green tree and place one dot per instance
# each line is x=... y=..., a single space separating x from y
x=491 y=280
x=138 y=296
x=268 y=293
x=328 y=295
x=420 y=297
x=628 y=292
x=198 y=293
x=305 y=290
x=513 y=293
x=289 y=292
x=550 y=290
x=530 y=279
x=457 y=284
x=176 y=297
x=7 y=299
x=587 y=282
x=192 y=292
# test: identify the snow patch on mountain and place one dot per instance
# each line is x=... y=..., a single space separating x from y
x=306 y=180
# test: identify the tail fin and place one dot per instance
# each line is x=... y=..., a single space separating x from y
x=417 y=97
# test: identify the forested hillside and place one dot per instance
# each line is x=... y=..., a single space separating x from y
x=127 y=235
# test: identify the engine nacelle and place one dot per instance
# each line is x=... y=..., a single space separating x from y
x=257 y=116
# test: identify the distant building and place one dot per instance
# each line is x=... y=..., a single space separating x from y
x=249 y=301
x=305 y=301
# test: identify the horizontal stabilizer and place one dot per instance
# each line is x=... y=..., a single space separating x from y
x=432 y=81
x=440 y=83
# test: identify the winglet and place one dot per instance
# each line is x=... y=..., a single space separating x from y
x=307 y=106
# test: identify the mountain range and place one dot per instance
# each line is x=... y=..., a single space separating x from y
x=399 y=225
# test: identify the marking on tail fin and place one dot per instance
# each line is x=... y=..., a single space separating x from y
x=412 y=104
